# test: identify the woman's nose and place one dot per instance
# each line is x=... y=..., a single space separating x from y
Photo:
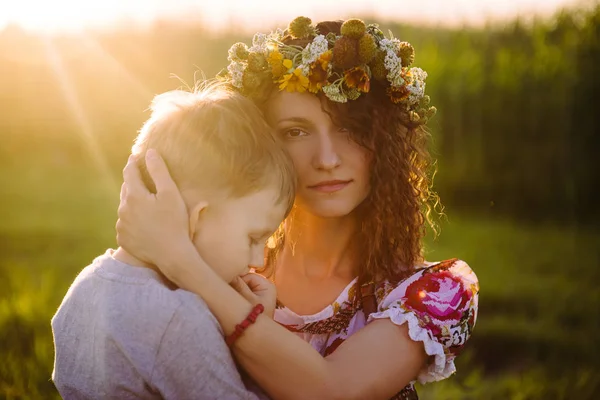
x=326 y=156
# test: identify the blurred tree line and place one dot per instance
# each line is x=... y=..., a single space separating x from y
x=516 y=133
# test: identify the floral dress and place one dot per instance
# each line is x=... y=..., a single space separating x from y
x=438 y=302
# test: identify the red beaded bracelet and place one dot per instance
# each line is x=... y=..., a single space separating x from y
x=240 y=328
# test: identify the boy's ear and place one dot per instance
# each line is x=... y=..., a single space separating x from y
x=194 y=213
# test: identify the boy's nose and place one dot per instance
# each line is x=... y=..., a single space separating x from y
x=257 y=260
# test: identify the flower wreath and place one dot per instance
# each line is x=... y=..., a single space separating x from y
x=340 y=66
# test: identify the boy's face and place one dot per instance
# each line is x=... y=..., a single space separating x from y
x=231 y=234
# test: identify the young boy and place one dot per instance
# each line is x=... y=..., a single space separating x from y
x=122 y=331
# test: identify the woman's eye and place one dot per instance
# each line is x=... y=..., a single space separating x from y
x=294 y=133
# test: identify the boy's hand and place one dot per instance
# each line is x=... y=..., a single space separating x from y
x=257 y=289
x=151 y=227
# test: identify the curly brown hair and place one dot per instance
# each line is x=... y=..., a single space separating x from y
x=401 y=201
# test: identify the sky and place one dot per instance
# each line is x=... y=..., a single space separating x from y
x=65 y=15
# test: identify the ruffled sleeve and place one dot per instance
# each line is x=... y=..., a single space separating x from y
x=439 y=303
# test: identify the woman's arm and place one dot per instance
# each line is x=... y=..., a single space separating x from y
x=376 y=362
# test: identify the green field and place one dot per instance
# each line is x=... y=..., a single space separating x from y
x=536 y=337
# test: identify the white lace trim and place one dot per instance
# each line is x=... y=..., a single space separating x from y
x=442 y=367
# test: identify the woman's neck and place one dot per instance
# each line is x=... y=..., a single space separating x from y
x=320 y=248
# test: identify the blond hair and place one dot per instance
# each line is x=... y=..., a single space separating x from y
x=212 y=137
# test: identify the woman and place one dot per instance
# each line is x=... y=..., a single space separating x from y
x=349 y=256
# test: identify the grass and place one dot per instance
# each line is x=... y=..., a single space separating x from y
x=536 y=335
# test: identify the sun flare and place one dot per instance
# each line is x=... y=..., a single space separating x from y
x=43 y=15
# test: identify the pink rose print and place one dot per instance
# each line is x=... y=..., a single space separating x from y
x=438 y=295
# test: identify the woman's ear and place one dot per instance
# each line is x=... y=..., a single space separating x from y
x=195 y=213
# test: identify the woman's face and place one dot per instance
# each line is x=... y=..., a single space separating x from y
x=333 y=170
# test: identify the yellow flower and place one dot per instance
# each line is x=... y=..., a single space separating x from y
x=275 y=60
x=294 y=82
x=318 y=72
x=406 y=54
x=397 y=94
x=324 y=59
x=288 y=63
x=275 y=57
x=357 y=78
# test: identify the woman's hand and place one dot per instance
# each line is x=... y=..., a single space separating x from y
x=152 y=227
x=257 y=289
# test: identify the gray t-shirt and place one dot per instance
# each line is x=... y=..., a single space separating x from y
x=120 y=333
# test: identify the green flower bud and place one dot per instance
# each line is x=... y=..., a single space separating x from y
x=301 y=27
x=414 y=117
x=250 y=80
x=406 y=54
x=367 y=49
x=378 y=66
x=353 y=28
x=257 y=62
x=431 y=111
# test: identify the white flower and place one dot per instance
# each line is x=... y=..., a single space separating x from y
x=277 y=34
x=393 y=63
x=313 y=51
x=392 y=44
x=333 y=93
x=418 y=73
x=259 y=43
x=236 y=71
x=305 y=68
x=232 y=53
x=353 y=94
x=416 y=86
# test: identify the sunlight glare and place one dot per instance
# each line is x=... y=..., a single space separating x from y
x=43 y=15
x=110 y=63
x=86 y=129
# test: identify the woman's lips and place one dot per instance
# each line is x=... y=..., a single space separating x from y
x=330 y=186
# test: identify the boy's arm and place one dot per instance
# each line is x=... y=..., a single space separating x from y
x=193 y=359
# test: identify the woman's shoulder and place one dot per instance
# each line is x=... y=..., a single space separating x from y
x=430 y=277
x=445 y=291
x=453 y=268
x=439 y=301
